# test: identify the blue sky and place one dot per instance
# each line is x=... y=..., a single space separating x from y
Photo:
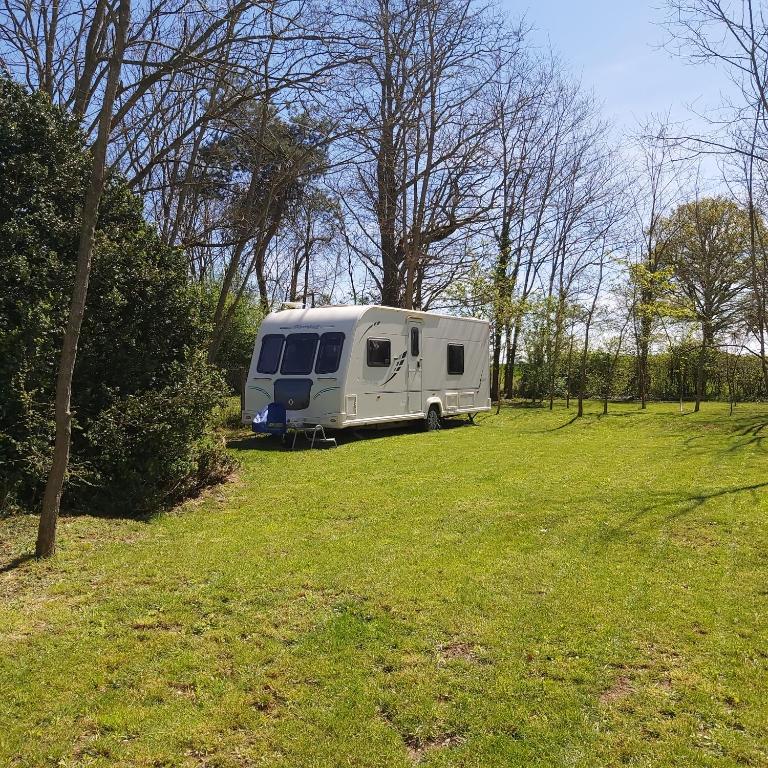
x=613 y=45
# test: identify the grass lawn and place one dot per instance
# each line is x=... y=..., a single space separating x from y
x=528 y=592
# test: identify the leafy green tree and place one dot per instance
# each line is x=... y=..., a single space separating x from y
x=236 y=346
x=651 y=288
x=708 y=254
x=259 y=168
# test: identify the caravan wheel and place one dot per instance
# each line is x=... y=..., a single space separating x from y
x=433 y=420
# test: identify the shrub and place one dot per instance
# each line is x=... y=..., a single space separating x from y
x=41 y=164
x=155 y=447
x=135 y=440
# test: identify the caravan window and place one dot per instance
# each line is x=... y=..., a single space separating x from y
x=414 y=341
x=299 y=354
x=329 y=354
x=455 y=359
x=269 y=355
x=379 y=353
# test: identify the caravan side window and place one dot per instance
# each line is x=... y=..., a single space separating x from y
x=329 y=355
x=269 y=355
x=379 y=353
x=455 y=359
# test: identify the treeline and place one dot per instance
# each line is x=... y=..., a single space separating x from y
x=675 y=261
x=672 y=376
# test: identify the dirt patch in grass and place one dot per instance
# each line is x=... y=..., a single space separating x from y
x=653 y=672
x=159 y=624
x=621 y=688
x=268 y=700
x=695 y=539
x=418 y=748
x=185 y=690
x=459 y=650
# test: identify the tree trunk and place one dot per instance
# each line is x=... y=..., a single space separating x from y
x=614 y=361
x=500 y=285
x=700 y=375
x=645 y=342
x=555 y=354
x=585 y=350
x=46 y=536
x=255 y=264
x=293 y=289
x=509 y=375
x=387 y=193
x=568 y=371
x=582 y=377
x=410 y=277
x=495 y=394
x=306 y=280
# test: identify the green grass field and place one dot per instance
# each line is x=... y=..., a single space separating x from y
x=532 y=591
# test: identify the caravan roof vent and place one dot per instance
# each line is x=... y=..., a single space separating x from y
x=291 y=305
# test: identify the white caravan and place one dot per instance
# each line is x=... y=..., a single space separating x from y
x=356 y=366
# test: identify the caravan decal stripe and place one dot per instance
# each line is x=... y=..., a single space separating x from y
x=259 y=389
x=398 y=365
x=372 y=325
x=327 y=389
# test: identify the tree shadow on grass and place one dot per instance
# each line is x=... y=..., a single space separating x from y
x=591 y=418
x=16 y=562
x=751 y=433
x=740 y=432
x=255 y=443
x=675 y=504
x=573 y=420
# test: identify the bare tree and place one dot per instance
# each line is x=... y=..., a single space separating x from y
x=127 y=79
x=309 y=237
x=585 y=212
x=520 y=108
x=734 y=37
x=46 y=537
x=417 y=161
x=656 y=186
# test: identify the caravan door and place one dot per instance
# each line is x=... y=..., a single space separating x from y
x=415 y=403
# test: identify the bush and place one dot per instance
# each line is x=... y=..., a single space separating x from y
x=41 y=163
x=155 y=447
x=135 y=439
